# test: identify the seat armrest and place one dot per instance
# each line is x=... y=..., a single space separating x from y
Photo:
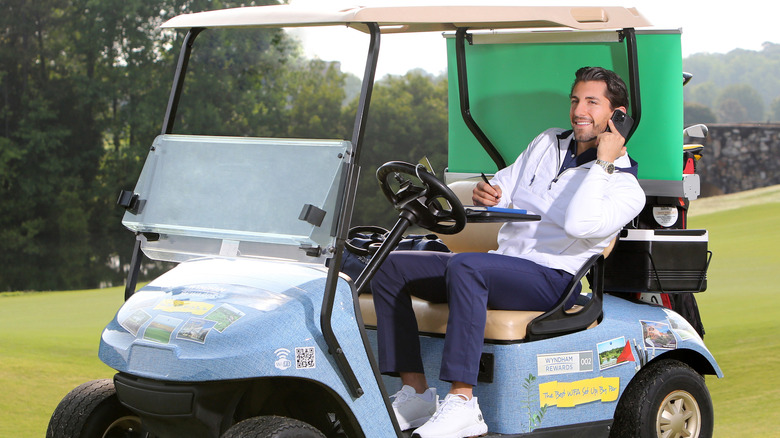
x=557 y=321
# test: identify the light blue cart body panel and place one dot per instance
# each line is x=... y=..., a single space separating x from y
x=230 y=319
x=579 y=376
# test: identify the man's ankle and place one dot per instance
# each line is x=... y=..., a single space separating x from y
x=464 y=389
x=416 y=381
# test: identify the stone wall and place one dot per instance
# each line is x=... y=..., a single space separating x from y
x=740 y=157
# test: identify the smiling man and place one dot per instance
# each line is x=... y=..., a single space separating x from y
x=596 y=94
x=582 y=184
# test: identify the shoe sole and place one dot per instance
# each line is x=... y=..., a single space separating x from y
x=415 y=424
x=474 y=431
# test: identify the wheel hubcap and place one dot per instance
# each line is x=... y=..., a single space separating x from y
x=125 y=427
x=679 y=416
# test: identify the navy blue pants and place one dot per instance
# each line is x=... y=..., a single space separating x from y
x=471 y=283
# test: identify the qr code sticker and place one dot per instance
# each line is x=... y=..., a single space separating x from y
x=304 y=358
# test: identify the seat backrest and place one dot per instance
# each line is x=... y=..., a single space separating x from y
x=500 y=325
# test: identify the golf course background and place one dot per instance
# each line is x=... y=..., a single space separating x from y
x=49 y=340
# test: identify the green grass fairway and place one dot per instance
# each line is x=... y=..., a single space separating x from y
x=741 y=319
x=49 y=341
x=48 y=346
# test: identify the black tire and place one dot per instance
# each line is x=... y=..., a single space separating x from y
x=92 y=410
x=272 y=427
x=666 y=399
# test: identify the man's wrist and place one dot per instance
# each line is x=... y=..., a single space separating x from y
x=608 y=166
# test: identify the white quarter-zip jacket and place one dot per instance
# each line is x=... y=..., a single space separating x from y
x=581 y=209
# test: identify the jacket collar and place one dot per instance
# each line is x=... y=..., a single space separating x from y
x=623 y=164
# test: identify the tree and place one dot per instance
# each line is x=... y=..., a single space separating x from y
x=731 y=111
x=701 y=93
x=713 y=73
x=407 y=120
x=775 y=111
x=50 y=149
x=740 y=103
x=316 y=93
x=234 y=86
x=83 y=87
x=697 y=113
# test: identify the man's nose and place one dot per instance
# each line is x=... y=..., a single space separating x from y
x=578 y=109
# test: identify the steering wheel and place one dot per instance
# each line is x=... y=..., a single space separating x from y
x=376 y=235
x=422 y=202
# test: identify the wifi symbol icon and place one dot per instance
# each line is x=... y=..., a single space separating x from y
x=282 y=360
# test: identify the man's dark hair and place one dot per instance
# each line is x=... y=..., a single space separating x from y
x=616 y=88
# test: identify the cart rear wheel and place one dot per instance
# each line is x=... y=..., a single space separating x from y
x=92 y=410
x=667 y=399
x=272 y=427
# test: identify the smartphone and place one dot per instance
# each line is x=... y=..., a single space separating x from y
x=623 y=122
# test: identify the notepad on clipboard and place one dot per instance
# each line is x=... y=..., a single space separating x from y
x=477 y=214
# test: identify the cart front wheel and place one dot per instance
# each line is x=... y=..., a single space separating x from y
x=92 y=410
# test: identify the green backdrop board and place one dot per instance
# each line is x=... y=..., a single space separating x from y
x=519 y=86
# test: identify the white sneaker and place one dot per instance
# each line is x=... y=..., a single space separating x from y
x=413 y=409
x=456 y=417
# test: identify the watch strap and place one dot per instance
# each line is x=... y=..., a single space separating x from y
x=607 y=166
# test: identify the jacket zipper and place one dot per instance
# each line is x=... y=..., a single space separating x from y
x=555 y=180
x=558 y=161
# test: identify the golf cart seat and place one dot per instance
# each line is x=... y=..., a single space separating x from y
x=505 y=325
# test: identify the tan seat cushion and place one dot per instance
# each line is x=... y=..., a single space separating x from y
x=502 y=325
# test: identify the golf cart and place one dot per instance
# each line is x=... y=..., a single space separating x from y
x=256 y=332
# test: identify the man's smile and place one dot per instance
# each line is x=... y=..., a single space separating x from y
x=581 y=122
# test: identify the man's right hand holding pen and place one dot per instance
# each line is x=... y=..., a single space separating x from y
x=484 y=194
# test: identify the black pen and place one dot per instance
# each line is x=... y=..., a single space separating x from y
x=484 y=178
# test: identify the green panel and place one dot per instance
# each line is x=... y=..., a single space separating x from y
x=518 y=90
x=657 y=143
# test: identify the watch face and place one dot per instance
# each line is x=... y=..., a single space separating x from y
x=607 y=166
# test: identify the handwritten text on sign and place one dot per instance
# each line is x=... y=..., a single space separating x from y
x=570 y=394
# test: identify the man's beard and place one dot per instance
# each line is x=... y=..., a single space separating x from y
x=585 y=140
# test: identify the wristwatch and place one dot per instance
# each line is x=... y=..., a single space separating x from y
x=607 y=166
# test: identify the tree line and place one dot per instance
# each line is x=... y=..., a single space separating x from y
x=84 y=86
x=735 y=87
x=83 y=89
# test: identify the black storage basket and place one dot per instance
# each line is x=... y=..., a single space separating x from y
x=664 y=260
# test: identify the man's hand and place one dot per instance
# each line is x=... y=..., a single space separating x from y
x=611 y=144
x=486 y=195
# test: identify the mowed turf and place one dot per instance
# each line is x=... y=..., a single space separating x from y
x=49 y=341
x=48 y=346
x=741 y=317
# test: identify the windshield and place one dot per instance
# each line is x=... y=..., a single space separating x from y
x=239 y=197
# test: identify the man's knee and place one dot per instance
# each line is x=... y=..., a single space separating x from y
x=383 y=275
x=465 y=263
x=465 y=274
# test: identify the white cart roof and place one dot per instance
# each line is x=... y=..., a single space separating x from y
x=396 y=19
